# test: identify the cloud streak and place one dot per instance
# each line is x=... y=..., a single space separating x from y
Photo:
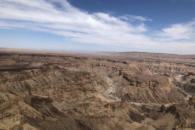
x=184 y=31
x=133 y=18
x=61 y=18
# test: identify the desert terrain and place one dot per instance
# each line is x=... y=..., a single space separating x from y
x=99 y=91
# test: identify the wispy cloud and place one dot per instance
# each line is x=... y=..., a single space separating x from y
x=61 y=18
x=133 y=18
x=184 y=31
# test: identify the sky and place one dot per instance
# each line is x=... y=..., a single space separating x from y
x=160 y=26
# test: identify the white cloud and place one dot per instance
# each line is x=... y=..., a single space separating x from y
x=69 y=22
x=61 y=18
x=184 y=31
x=133 y=18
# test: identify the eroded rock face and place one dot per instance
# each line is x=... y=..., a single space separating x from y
x=63 y=92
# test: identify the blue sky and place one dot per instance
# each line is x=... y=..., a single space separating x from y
x=165 y=26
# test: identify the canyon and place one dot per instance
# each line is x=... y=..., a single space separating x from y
x=98 y=91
